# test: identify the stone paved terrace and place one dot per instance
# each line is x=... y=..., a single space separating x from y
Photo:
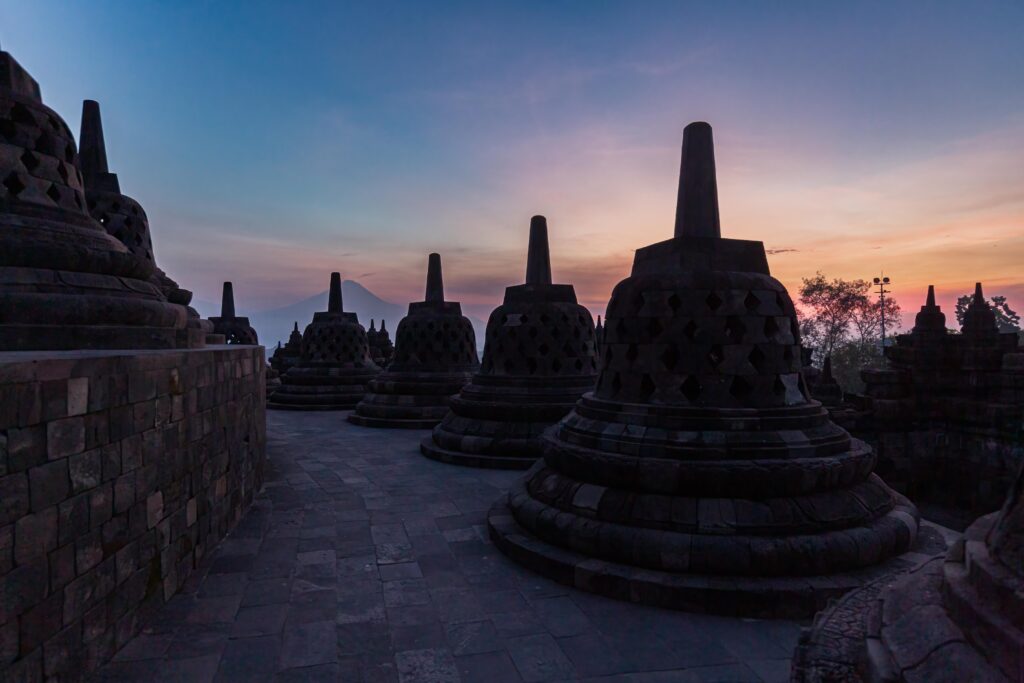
x=364 y=561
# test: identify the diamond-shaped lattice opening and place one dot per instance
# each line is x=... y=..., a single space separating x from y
x=63 y=171
x=779 y=301
x=734 y=329
x=579 y=365
x=715 y=355
x=654 y=328
x=29 y=160
x=543 y=349
x=690 y=330
x=69 y=153
x=714 y=301
x=691 y=388
x=21 y=114
x=771 y=327
x=616 y=383
x=674 y=302
x=13 y=184
x=757 y=358
x=740 y=388
x=632 y=353
x=669 y=358
x=44 y=143
x=556 y=365
x=751 y=301
x=646 y=387
x=116 y=208
x=531 y=365
x=7 y=128
x=787 y=354
x=778 y=386
x=53 y=193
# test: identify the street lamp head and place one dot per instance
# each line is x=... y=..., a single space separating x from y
x=885 y=280
x=877 y=281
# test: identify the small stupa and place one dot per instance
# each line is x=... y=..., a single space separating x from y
x=699 y=474
x=288 y=355
x=335 y=364
x=65 y=282
x=434 y=358
x=381 y=348
x=539 y=357
x=236 y=329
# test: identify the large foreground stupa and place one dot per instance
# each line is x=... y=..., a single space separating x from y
x=539 y=357
x=435 y=357
x=65 y=283
x=335 y=364
x=698 y=474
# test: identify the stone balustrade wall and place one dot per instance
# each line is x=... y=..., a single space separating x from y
x=119 y=472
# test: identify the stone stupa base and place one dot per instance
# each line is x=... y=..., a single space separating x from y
x=319 y=389
x=407 y=401
x=730 y=595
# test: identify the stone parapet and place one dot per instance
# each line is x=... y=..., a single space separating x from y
x=119 y=472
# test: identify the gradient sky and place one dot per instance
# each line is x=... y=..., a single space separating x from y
x=273 y=142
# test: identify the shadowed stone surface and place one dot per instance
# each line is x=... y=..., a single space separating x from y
x=335 y=363
x=65 y=283
x=699 y=474
x=539 y=357
x=435 y=357
x=958 y=619
x=381 y=349
x=358 y=536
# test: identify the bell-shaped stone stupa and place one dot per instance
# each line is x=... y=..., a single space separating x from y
x=698 y=474
x=65 y=283
x=236 y=329
x=539 y=358
x=335 y=365
x=287 y=356
x=434 y=358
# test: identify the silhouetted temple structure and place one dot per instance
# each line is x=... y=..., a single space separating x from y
x=435 y=357
x=958 y=618
x=335 y=365
x=236 y=329
x=288 y=355
x=127 y=449
x=946 y=416
x=539 y=357
x=381 y=348
x=699 y=474
x=826 y=389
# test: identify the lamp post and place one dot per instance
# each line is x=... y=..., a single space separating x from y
x=881 y=283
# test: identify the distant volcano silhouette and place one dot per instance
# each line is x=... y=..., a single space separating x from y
x=275 y=324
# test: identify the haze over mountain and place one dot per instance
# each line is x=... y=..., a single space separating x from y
x=275 y=324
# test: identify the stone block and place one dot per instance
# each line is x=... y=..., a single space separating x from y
x=39 y=623
x=21 y=588
x=62 y=566
x=101 y=505
x=26 y=447
x=14 y=497
x=48 y=484
x=154 y=509
x=86 y=470
x=35 y=534
x=78 y=396
x=65 y=437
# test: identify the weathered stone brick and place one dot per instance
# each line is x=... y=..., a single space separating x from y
x=74 y=518
x=101 y=504
x=14 y=498
x=21 y=588
x=141 y=386
x=35 y=534
x=62 y=566
x=78 y=395
x=65 y=437
x=55 y=399
x=143 y=415
x=111 y=459
x=97 y=430
x=48 y=484
x=39 y=623
x=124 y=492
x=26 y=447
x=88 y=551
x=86 y=470
x=61 y=653
x=79 y=595
x=8 y=643
x=94 y=623
x=6 y=548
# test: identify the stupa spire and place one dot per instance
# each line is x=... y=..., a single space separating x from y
x=435 y=283
x=930 y=302
x=697 y=204
x=227 y=301
x=92 y=150
x=979 y=297
x=334 y=303
x=538 y=258
x=373 y=328
x=930 y=319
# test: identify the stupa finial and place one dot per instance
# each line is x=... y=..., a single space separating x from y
x=92 y=149
x=697 y=204
x=930 y=302
x=979 y=297
x=227 y=301
x=435 y=283
x=296 y=328
x=373 y=327
x=538 y=258
x=334 y=304
x=382 y=323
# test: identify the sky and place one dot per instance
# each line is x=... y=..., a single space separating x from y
x=271 y=142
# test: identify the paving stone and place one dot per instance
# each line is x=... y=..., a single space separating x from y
x=493 y=667
x=473 y=637
x=538 y=658
x=416 y=666
x=250 y=659
x=309 y=644
x=259 y=621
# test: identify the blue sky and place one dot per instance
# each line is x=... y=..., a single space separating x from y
x=272 y=142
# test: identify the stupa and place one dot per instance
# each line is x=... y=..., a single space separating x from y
x=335 y=364
x=381 y=348
x=826 y=389
x=698 y=474
x=539 y=357
x=434 y=358
x=236 y=329
x=958 y=618
x=288 y=355
x=65 y=282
